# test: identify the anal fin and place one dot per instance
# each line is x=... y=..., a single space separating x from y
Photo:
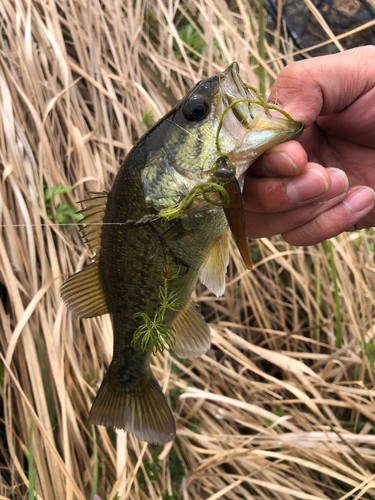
x=192 y=333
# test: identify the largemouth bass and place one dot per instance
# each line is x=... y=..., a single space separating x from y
x=163 y=225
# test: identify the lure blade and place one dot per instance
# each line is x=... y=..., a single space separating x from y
x=235 y=214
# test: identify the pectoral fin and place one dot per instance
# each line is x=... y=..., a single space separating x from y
x=213 y=271
x=235 y=214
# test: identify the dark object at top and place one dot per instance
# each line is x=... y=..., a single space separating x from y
x=340 y=15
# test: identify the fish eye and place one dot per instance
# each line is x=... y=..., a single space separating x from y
x=195 y=108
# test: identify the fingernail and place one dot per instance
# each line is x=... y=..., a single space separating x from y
x=360 y=199
x=339 y=184
x=279 y=164
x=306 y=186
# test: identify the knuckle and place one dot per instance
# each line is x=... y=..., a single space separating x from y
x=368 y=51
x=295 y=80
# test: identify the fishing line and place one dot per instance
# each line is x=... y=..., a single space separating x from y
x=260 y=102
x=185 y=130
x=53 y=224
x=74 y=224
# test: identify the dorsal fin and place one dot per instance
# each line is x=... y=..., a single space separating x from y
x=192 y=333
x=83 y=292
x=214 y=268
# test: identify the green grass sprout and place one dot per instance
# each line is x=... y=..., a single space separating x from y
x=96 y=467
x=337 y=296
x=262 y=52
x=31 y=463
x=318 y=302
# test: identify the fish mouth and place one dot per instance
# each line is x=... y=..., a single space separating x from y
x=250 y=122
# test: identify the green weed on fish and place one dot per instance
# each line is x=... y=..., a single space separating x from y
x=156 y=331
x=260 y=102
x=201 y=189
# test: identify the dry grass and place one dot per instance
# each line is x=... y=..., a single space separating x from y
x=282 y=406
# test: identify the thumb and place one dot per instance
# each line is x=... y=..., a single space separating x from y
x=324 y=85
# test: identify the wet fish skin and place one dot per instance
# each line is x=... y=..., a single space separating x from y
x=131 y=282
x=167 y=162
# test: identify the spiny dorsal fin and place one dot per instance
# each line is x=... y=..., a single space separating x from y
x=214 y=268
x=83 y=292
x=192 y=334
x=142 y=410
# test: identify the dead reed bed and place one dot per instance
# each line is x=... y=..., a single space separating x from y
x=282 y=407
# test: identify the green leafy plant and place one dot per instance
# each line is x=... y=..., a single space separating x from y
x=194 y=425
x=147 y=120
x=177 y=469
x=167 y=496
x=192 y=39
x=63 y=210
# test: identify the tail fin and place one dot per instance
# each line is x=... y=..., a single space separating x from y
x=143 y=410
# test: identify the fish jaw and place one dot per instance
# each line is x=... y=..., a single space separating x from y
x=247 y=128
x=268 y=133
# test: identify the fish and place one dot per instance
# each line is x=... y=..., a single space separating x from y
x=161 y=227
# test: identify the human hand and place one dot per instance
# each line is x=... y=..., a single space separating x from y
x=323 y=184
